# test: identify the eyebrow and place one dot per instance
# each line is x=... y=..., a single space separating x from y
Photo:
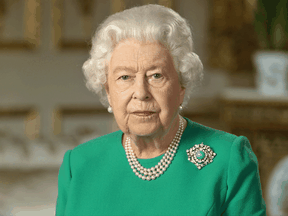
x=125 y=68
x=122 y=68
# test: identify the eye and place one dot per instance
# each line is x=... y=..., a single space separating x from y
x=124 y=77
x=157 y=75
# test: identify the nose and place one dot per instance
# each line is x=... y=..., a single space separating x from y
x=141 y=89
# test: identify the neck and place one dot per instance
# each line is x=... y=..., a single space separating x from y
x=150 y=147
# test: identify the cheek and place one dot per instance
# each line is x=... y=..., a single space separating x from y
x=171 y=92
x=171 y=97
x=120 y=100
x=164 y=98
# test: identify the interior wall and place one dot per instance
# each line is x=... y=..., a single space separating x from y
x=48 y=77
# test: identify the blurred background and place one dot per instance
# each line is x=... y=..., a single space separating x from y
x=45 y=108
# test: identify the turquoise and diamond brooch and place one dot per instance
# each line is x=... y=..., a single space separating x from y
x=200 y=155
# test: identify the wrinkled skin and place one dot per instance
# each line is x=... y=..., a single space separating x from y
x=149 y=81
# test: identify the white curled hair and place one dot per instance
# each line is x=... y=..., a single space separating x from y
x=145 y=23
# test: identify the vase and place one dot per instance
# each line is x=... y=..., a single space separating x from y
x=271 y=73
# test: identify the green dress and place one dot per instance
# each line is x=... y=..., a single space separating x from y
x=95 y=178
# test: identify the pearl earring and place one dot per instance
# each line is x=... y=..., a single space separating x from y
x=110 y=109
x=180 y=107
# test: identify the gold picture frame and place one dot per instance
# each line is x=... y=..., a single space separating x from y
x=31 y=20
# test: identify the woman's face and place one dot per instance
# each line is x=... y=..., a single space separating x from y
x=142 y=77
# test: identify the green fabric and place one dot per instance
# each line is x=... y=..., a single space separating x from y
x=95 y=178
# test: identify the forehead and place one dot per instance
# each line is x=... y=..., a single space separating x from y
x=133 y=51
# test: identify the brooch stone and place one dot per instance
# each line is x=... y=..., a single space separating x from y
x=200 y=155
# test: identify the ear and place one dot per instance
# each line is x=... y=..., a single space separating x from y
x=182 y=94
x=107 y=92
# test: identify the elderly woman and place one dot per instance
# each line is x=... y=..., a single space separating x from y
x=143 y=67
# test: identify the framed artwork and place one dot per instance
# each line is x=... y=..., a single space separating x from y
x=24 y=34
x=232 y=40
x=82 y=123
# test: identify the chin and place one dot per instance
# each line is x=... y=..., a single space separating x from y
x=144 y=131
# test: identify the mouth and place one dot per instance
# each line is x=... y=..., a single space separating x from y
x=143 y=113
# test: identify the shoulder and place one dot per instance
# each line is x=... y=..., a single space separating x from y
x=207 y=134
x=96 y=148
x=224 y=144
x=99 y=142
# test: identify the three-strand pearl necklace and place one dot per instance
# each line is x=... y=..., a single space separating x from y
x=154 y=172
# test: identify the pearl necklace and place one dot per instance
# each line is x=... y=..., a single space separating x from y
x=154 y=172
